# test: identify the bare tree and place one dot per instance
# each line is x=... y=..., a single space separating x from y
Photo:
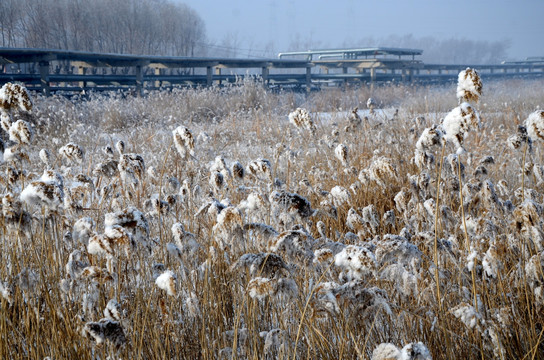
x=159 y=27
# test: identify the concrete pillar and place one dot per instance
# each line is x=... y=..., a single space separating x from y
x=372 y=78
x=139 y=80
x=157 y=72
x=345 y=71
x=44 y=77
x=209 y=76
x=372 y=75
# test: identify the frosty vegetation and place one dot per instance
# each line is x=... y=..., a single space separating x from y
x=215 y=223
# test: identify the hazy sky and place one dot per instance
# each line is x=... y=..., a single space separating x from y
x=258 y=23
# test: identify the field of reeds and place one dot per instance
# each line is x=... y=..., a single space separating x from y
x=236 y=223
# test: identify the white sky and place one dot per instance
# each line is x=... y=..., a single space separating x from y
x=258 y=23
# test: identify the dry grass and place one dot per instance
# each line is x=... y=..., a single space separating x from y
x=321 y=310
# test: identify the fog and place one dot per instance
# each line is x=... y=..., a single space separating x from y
x=263 y=28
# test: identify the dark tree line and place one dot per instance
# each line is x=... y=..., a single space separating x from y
x=153 y=27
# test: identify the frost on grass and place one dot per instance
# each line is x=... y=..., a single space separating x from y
x=227 y=266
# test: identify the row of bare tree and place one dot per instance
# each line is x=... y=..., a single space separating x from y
x=151 y=27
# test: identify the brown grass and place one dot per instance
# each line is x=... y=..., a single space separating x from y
x=44 y=318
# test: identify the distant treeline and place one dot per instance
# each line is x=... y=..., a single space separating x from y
x=449 y=50
x=435 y=50
x=149 y=27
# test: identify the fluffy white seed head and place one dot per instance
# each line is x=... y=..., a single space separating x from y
x=167 y=282
x=301 y=119
x=21 y=132
x=341 y=153
x=184 y=141
x=72 y=152
x=535 y=125
x=469 y=86
x=14 y=95
x=458 y=122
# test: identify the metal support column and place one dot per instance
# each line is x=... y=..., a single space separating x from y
x=265 y=72
x=218 y=73
x=308 y=79
x=139 y=80
x=209 y=76
x=44 y=77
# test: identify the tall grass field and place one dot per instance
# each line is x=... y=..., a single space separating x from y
x=402 y=222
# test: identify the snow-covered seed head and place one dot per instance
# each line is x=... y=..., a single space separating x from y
x=96 y=274
x=48 y=194
x=469 y=86
x=535 y=125
x=184 y=141
x=340 y=195
x=5 y=120
x=458 y=122
x=521 y=137
x=120 y=146
x=100 y=246
x=45 y=157
x=82 y=230
x=72 y=152
x=6 y=292
x=386 y=351
x=341 y=153
x=261 y=287
x=14 y=95
x=467 y=314
x=113 y=311
x=260 y=168
x=106 y=330
x=371 y=104
x=216 y=180
x=354 y=118
x=237 y=170
x=21 y=132
x=167 y=282
x=430 y=137
x=108 y=151
x=415 y=351
x=382 y=171
x=261 y=264
x=357 y=260
x=301 y=119
x=131 y=164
